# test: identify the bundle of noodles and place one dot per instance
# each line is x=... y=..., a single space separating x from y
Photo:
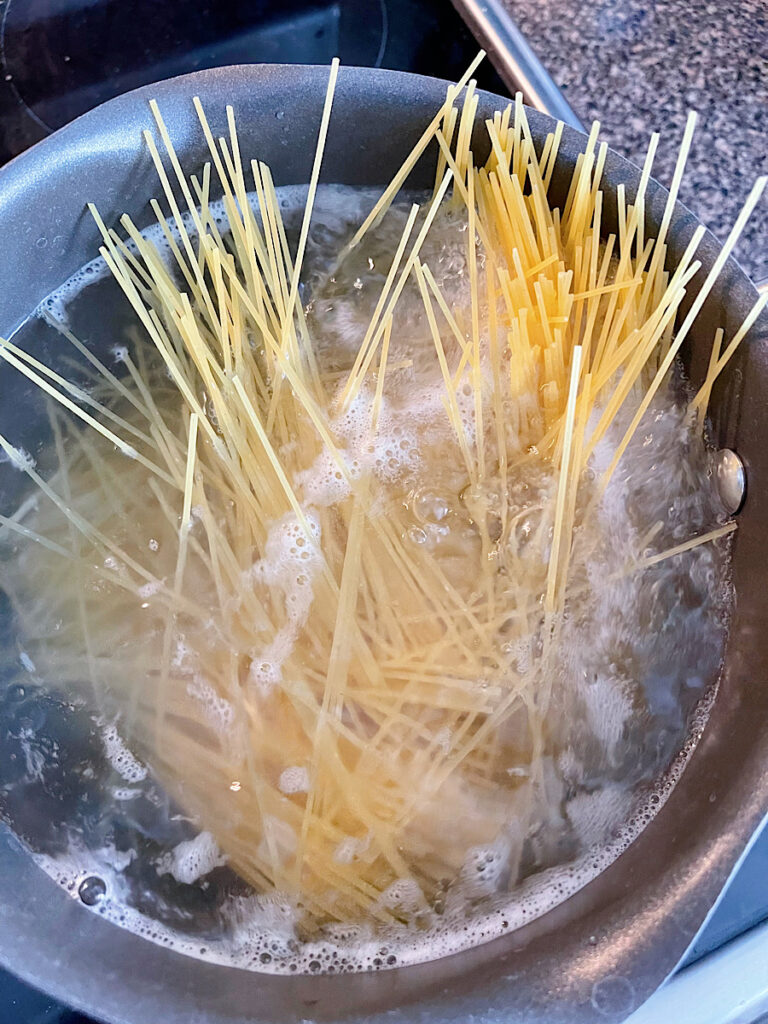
x=350 y=711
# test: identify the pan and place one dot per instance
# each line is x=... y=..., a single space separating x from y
x=602 y=952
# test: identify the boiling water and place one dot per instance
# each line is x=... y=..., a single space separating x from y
x=639 y=654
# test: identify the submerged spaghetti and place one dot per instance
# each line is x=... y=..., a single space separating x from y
x=359 y=547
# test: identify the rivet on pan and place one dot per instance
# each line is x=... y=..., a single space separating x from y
x=731 y=479
x=92 y=890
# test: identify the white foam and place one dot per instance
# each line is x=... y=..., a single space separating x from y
x=294 y=780
x=150 y=589
x=404 y=896
x=594 y=815
x=54 y=308
x=219 y=711
x=484 y=867
x=120 y=757
x=118 y=859
x=323 y=483
x=290 y=565
x=395 y=447
x=443 y=740
x=192 y=859
x=35 y=758
x=350 y=849
x=263 y=930
x=609 y=708
x=19 y=458
x=124 y=793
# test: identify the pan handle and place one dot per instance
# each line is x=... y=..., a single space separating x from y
x=517 y=64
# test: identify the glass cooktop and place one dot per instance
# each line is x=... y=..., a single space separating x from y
x=59 y=58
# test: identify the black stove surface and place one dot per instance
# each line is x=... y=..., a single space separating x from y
x=59 y=58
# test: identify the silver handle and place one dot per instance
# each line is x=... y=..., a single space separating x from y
x=517 y=64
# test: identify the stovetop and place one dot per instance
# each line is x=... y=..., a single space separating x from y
x=59 y=58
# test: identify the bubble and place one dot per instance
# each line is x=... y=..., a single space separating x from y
x=428 y=506
x=416 y=535
x=92 y=890
x=613 y=996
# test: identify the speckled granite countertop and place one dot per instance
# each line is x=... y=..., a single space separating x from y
x=639 y=65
